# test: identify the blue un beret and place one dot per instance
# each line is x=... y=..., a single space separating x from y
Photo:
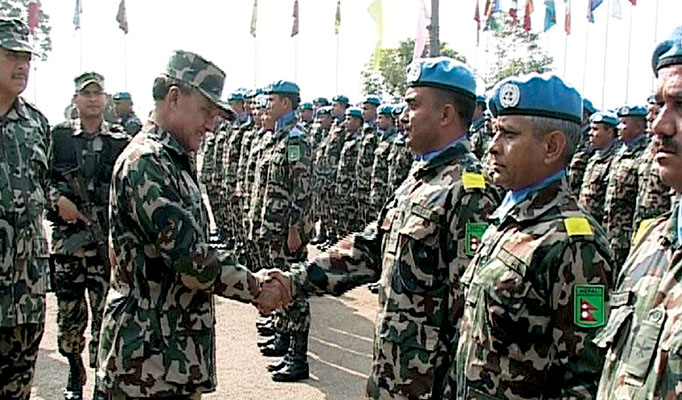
x=236 y=96
x=443 y=73
x=634 y=111
x=589 y=107
x=480 y=99
x=326 y=110
x=398 y=109
x=321 y=101
x=543 y=95
x=604 y=117
x=283 y=87
x=385 y=109
x=354 y=112
x=371 y=99
x=250 y=94
x=122 y=96
x=306 y=106
x=339 y=98
x=668 y=52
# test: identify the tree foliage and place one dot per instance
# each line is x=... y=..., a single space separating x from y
x=516 y=52
x=19 y=9
x=390 y=78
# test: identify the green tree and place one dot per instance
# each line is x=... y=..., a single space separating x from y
x=390 y=79
x=516 y=52
x=19 y=9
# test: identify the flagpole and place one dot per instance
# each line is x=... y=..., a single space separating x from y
x=627 y=62
x=296 y=58
x=255 y=62
x=606 y=46
x=337 y=63
x=80 y=50
x=655 y=40
x=125 y=61
x=565 y=53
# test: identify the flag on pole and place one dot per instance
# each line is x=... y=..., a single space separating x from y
x=526 y=17
x=375 y=10
x=77 y=15
x=121 y=17
x=550 y=14
x=617 y=10
x=477 y=18
x=33 y=13
x=591 y=6
x=254 y=18
x=634 y=2
x=567 y=21
x=491 y=7
x=337 y=19
x=514 y=12
x=422 y=30
x=294 y=28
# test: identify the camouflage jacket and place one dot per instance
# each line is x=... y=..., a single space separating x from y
x=247 y=142
x=576 y=170
x=644 y=332
x=399 y=162
x=231 y=158
x=158 y=333
x=479 y=135
x=207 y=158
x=523 y=334
x=621 y=194
x=258 y=175
x=331 y=155
x=286 y=196
x=86 y=160
x=344 y=186
x=595 y=179
x=218 y=176
x=131 y=124
x=24 y=145
x=653 y=196
x=317 y=149
x=379 y=188
x=363 y=170
x=417 y=249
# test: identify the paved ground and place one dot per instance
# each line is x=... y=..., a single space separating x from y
x=340 y=352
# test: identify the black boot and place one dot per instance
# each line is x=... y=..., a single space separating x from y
x=374 y=287
x=279 y=347
x=297 y=369
x=76 y=378
x=279 y=363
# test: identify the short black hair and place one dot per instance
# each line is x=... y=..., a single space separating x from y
x=464 y=105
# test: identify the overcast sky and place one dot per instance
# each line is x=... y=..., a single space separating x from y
x=219 y=31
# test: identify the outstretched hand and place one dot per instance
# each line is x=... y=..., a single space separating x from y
x=275 y=291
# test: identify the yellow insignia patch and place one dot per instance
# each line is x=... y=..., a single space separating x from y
x=473 y=180
x=643 y=226
x=577 y=226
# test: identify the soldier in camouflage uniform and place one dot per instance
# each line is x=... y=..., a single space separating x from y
x=534 y=294
x=479 y=136
x=399 y=156
x=24 y=144
x=622 y=188
x=644 y=332
x=320 y=179
x=583 y=151
x=126 y=116
x=320 y=102
x=386 y=132
x=365 y=160
x=421 y=241
x=306 y=114
x=81 y=161
x=339 y=105
x=346 y=191
x=603 y=139
x=330 y=211
x=158 y=337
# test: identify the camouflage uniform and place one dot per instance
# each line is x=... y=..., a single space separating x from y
x=379 y=188
x=240 y=193
x=653 y=196
x=418 y=248
x=328 y=169
x=621 y=192
x=593 y=190
x=257 y=193
x=479 y=136
x=399 y=161
x=345 y=190
x=228 y=198
x=644 y=332
x=207 y=152
x=24 y=144
x=158 y=336
x=576 y=170
x=319 y=137
x=130 y=123
x=80 y=170
x=519 y=336
x=363 y=176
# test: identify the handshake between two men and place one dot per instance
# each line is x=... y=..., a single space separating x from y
x=275 y=291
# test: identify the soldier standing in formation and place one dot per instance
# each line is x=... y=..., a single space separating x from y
x=81 y=162
x=123 y=103
x=583 y=151
x=643 y=334
x=24 y=144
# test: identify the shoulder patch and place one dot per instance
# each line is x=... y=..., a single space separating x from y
x=473 y=237
x=577 y=226
x=473 y=180
x=641 y=230
x=588 y=306
x=294 y=152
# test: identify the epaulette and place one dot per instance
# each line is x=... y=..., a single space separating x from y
x=578 y=225
x=473 y=180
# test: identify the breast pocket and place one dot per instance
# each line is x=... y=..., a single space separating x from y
x=419 y=251
x=620 y=316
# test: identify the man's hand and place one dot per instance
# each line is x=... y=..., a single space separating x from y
x=275 y=291
x=69 y=212
x=294 y=240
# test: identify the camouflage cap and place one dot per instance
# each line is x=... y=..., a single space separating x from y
x=87 y=78
x=201 y=74
x=14 y=35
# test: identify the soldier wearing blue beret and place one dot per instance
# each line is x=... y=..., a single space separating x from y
x=642 y=336
x=541 y=261
x=320 y=102
x=385 y=132
x=479 y=135
x=305 y=115
x=583 y=151
x=339 y=105
x=123 y=104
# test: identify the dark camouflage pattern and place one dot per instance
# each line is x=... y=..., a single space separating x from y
x=363 y=175
x=399 y=161
x=131 y=123
x=595 y=180
x=578 y=166
x=518 y=337
x=19 y=348
x=345 y=191
x=653 y=196
x=417 y=250
x=379 y=188
x=14 y=35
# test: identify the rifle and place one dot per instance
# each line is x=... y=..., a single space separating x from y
x=94 y=231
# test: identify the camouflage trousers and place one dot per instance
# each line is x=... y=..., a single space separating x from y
x=118 y=395
x=296 y=318
x=19 y=350
x=73 y=276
